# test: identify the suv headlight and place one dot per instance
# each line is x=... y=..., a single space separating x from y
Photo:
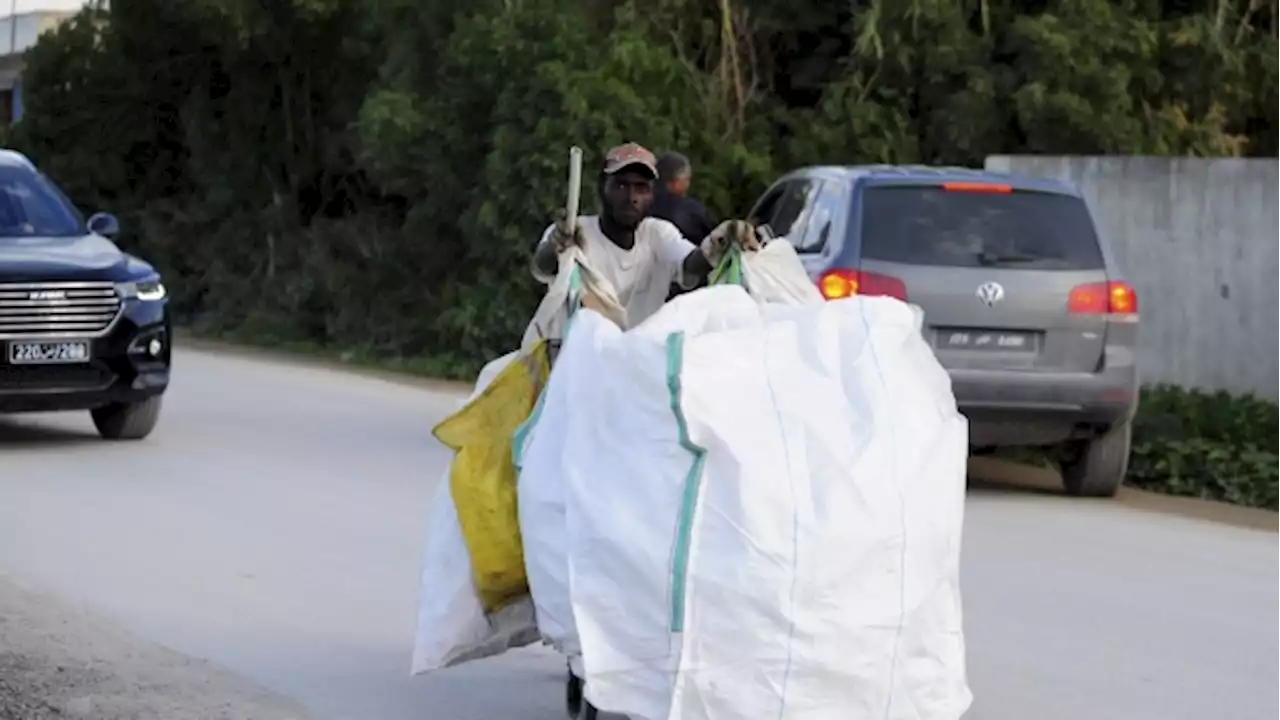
x=145 y=290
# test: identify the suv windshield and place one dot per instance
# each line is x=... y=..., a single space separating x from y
x=30 y=206
x=932 y=226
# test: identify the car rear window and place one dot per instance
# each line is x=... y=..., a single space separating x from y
x=929 y=225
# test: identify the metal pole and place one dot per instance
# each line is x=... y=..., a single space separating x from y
x=13 y=26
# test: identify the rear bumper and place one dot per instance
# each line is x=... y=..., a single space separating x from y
x=1025 y=408
x=122 y=369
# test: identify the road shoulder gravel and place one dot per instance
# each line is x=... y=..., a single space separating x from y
x=57 y=661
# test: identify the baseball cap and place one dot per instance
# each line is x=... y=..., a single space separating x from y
x=628 y=155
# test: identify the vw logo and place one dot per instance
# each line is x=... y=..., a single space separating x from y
x=990 y=293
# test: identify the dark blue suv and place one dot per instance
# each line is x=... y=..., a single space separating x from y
x=83 y=325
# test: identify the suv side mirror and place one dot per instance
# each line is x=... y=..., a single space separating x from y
x=104 y=224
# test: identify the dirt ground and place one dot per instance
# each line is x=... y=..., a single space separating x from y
x=58 y=662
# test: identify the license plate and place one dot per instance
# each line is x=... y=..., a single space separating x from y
x=987 y=340
x=48 y=352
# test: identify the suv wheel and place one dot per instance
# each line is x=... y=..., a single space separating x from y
x=1096 y=468
x=127 y=421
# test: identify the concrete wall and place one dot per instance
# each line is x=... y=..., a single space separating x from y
x=1198 y=239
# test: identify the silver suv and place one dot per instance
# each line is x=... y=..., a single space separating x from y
x=1023 y=303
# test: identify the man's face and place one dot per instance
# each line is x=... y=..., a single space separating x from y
x=628 y=195
x=680 y=185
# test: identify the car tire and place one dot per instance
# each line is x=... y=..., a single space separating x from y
x=1097 y=468
x=127 y=421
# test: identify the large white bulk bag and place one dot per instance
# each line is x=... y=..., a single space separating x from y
x=539 y=448
x=764 y=508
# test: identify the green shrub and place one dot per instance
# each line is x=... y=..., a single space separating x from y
x=1216 y=446
x=1211 y=445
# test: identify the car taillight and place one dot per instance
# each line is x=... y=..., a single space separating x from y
x=1104 y=298
x=836 y=284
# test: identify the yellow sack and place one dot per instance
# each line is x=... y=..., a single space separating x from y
x=482 y=478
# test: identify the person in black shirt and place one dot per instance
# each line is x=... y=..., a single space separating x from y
x=671 y=202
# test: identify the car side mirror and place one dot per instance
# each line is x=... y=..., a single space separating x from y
x=104 y=224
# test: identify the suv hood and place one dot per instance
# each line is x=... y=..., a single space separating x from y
x=86 y=257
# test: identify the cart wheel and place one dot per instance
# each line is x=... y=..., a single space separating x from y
x=573 y=697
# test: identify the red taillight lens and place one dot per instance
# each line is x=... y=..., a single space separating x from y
x=837 y=284
x=1106 y=298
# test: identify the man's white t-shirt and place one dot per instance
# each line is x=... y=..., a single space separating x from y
x=642 y=276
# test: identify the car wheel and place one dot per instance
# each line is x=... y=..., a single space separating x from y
x=1098 y=466
x=127 y=421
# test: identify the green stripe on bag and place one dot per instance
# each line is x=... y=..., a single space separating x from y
x=692 y=482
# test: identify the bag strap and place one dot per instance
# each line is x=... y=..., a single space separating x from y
x=575 y=289
x=729 y=271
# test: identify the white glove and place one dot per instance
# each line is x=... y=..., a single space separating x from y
x=562 y=240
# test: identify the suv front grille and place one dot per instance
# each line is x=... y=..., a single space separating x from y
x=75 y=309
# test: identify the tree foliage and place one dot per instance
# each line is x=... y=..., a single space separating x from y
x=373 y=174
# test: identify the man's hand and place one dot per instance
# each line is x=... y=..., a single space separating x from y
x=564 y=240
x=546 y=258
x=730 y=233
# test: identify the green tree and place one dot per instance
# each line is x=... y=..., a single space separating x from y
x=374 y=174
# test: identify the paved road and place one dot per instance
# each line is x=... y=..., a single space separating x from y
x=273 y=525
